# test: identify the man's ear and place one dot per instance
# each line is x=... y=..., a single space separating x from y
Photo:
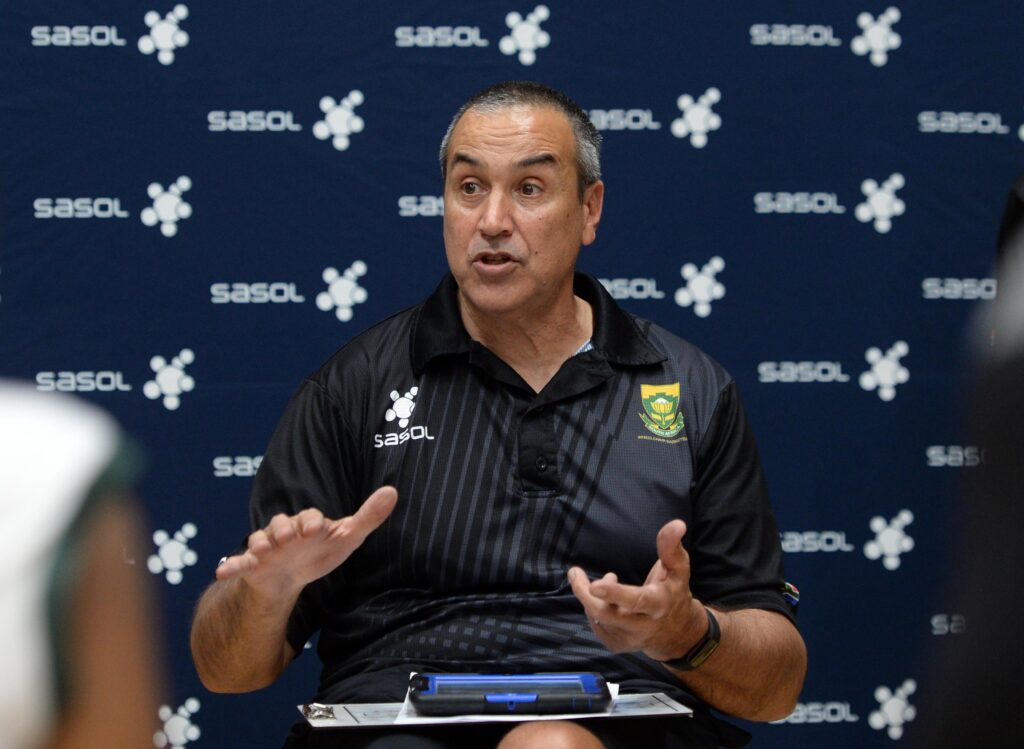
x=593 y=202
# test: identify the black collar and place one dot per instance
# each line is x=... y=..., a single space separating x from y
x=438 y=329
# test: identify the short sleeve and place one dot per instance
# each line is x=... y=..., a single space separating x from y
x=305 y=466
x=735 y=553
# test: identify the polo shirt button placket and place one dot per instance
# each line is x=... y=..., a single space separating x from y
x=542 y=464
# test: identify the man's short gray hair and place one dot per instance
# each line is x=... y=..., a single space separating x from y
x=509 y=94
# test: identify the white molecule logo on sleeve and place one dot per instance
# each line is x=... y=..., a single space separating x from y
x=178 y=727
x=168 y=206
x=881 y=205
x=343 y=290
x=340 y=119
x=526 y=35
x=886 y=371
x=172 y=553
x=894 y=709
x=164 y=34
x=878 y=37
x=698 y=119
x=170 y=380
x=702 y=287
x=890 y=540
x=402 y=407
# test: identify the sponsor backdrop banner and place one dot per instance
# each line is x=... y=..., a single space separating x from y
x=202 y=201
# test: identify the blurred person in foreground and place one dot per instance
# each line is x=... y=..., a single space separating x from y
x=577 y=488
x=77 y=658
x=972 y=692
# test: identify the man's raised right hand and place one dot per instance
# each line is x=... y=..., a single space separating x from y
x=293 y=551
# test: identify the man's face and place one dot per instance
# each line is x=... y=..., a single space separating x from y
x=513 y=220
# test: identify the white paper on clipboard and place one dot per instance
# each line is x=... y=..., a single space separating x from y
x=404 y=714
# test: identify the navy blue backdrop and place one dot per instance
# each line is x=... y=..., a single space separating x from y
x=201 y=202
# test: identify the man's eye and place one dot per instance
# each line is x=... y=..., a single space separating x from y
x=470 y=188
x=529 y=189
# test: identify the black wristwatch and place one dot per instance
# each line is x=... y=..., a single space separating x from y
x=702 y=650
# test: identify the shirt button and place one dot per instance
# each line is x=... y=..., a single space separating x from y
x=542 y=465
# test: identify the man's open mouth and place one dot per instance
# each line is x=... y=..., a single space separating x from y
x=496 y=258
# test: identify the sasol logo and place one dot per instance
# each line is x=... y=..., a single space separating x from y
x=103 y=381
x=78 y=208
x=801 y=371
x=633 y=288
x=948 y=624
x=439 y=36
x=954 y=456
x=797 y=202
x=982 y=123
x=820 y=712
x=814 y=541
x=420 y=205
x=240 y=466
x=76 y=36
x=399 y=438
x=277 y=292
x=959 y=288
x=400 y=410
x=793 y=35
x=624 y=119
x=254 y=121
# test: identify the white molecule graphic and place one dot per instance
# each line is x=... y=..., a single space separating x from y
x=401 y=407
x=178 y=727
x=881 y=204
x=890 y=540
x=886 y=371
x=894 y=709
x=698 y=119
x=526 y=35
x=168 y=206
x=172 y=553
x=343 y=290
x=164 y=34
x=702 y=287
x=340 y=119
x=170 y=380
x=878 y=37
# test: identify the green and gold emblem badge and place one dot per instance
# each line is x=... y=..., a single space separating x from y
x=661 y=409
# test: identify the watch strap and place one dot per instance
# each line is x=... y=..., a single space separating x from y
x=702 y=650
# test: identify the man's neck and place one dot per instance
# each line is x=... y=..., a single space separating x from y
x=534 y=345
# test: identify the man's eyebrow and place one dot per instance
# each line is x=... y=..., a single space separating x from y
x=461 y=158
x=542 y=158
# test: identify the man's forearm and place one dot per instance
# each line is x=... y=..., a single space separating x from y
x=238 y=640
x=758 y=669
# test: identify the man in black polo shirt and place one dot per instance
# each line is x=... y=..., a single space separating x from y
x=577 y=488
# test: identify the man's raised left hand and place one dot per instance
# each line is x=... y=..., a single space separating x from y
x=661 y=618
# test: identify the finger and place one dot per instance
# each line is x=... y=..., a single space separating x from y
x=237 y=565
x=310 y=522
x=670 y=548
x=370 y=515
x=580 y=584
x=259 y=542
x=601 y=586
x=281 y=529
x=630 y=599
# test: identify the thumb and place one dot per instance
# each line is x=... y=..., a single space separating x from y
x=673 y=556
x=371 y=513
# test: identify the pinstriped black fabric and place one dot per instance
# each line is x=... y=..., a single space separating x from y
x=501 y=490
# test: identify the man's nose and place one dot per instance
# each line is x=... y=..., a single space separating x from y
x=496 y=219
